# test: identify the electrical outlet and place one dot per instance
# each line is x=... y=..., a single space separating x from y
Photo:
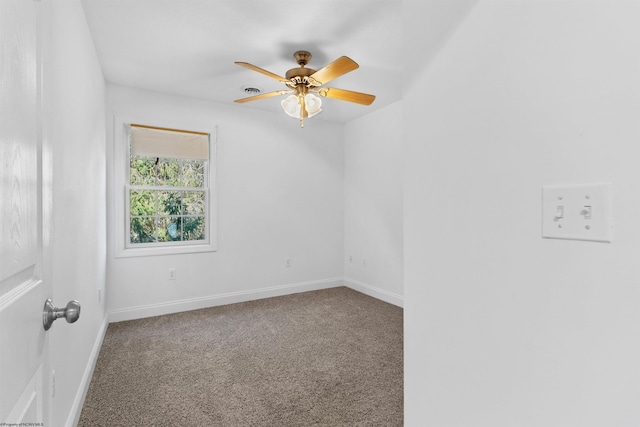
x=364 y=262
x=287 y=262
x=351 y=259
x=172 y=274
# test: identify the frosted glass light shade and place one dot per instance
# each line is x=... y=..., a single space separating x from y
x=291 y=105
x=313 y=104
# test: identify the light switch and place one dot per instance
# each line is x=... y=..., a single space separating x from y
x=577 y=212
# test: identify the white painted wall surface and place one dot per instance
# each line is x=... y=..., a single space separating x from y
x=75 y=117
x=280 y=194
x=373 y=204
x=504 y=328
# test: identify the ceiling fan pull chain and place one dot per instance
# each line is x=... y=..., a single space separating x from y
x=303 y=108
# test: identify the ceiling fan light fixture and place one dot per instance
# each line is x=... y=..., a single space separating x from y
x=291 y=105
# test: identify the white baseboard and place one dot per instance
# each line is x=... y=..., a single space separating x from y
x=150 y=310
x=372 y=291
x=83 y=388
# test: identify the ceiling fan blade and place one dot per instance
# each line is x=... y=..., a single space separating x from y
x=347 y=95
x=262 y=71
x=263 y=95
x=334 y=70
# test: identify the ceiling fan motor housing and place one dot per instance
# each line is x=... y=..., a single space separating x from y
x=300 y=75
x=299 y=72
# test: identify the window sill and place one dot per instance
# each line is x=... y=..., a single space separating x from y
x=164 y=250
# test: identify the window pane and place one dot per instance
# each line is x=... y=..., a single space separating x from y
x=193 y=173
x=142 y=171
x=169 y=229
x=169 y=172
x=142 y=202
x=193 y=203
x=193 y=228
x=170 y=202
x=143 y=230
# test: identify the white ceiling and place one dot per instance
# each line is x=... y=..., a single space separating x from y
x=188 y=47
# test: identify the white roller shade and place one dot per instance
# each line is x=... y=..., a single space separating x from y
x=160 y=142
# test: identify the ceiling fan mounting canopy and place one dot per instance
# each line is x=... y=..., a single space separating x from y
x=302 y=57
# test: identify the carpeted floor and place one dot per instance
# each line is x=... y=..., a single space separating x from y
x=332 y=357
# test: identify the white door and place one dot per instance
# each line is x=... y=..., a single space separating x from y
x=24 y=218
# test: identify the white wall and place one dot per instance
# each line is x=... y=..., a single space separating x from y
x=373 y=204
x=504 y=328
x=75 y=111
x=280 y=194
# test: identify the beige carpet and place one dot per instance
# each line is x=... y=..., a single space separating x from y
x=332 y=357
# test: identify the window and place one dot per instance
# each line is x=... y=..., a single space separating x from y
x=168 y=193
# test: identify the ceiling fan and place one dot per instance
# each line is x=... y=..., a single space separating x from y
x=303 y=83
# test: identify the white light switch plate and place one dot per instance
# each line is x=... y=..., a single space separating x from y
x=577 y=212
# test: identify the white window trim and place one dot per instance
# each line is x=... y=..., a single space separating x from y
x=121 y=184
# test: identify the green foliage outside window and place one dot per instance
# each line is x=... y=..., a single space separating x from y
x=166 y=200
